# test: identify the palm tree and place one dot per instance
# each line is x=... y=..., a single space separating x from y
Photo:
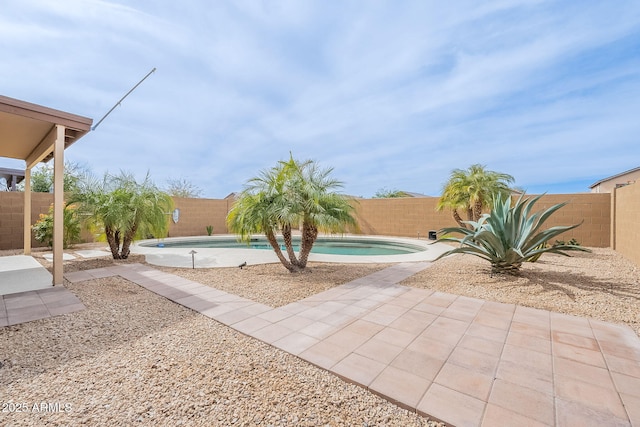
x=124 y=209
x=472 y=190
x=285 y=197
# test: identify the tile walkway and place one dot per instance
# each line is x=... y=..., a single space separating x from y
x=35 y=305
x=465 y=361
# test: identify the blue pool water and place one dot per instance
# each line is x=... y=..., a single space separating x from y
x=335 y=246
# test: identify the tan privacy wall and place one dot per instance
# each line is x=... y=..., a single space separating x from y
x=197 y=214
x=395 y=217
x=11 y=217
x=626 y=226
x=410 y=216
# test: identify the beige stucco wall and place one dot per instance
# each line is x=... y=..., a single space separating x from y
x=609 y=185
x=626 y=227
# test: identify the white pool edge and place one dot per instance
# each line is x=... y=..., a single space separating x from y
x=232 y=257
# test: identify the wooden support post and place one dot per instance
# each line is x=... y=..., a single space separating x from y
x=58 y=205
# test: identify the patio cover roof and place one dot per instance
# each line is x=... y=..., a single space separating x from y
x=34 y=133
x=24 y=128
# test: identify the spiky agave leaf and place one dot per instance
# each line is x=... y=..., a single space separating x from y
x=510 y=235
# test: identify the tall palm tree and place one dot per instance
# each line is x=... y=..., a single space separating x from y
x=285 y=197
x=472 y=190
x=124 y=209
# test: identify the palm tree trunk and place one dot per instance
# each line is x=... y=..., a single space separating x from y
x=126 y=242
x=113 y=238
x=276 y=247
x=288 y=243
x=309 y=236
x=458 y=219
x=477 y=209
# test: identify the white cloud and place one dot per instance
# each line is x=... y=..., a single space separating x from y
x=390 y=96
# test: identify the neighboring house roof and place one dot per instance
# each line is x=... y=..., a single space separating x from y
x=11 y=177
x=410 y=194
x=614 y=177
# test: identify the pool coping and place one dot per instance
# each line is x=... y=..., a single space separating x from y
x=233 y=257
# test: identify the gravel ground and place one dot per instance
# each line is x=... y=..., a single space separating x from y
x=272 y=284
x=134 y=357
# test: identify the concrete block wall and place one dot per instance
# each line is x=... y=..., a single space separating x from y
x=410 y=216
x=197 y=214
x=11 y=217
x=626 y=226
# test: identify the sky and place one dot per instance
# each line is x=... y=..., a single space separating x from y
x=390 y=94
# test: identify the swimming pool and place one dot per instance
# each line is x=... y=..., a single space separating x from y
x=331 y=246
x=224 y=250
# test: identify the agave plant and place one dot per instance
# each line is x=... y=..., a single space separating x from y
x=510 y=235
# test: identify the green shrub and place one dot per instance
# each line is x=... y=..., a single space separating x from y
x=43 y=229
x=509 y=236
x=209 y=230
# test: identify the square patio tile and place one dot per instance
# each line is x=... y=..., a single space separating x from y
x=347 y=340
x=425 y=307
x=529 y=342
x=319 y=330
x=481 y=345
x=487 y=332
x=413 y=321
x=498 y=416
x=465 y=381
x=531 y=329
x=441 y=334
x=525 y=357
x=379 y=350
x=524 y=401
x=583 y=372
x=626 y=384
x=526 y=376
x=399 y=386
x=622 y=348
x=440 y=299
x=418 y=364
x=271 y=333
x=575 y=340
x=579 y=354
x=596 y=397
x=250 y=325
x=324 y=354
x=233 y=317
x=295 y=343
x=475 y=361
x=632 y=404
x=295 y=322
x=532 y=316
x=451 y=406
x=395 y=337
x=431 y=347
x=623 y=365
x=364 y=328
x=493 y=320
x=275 y=315
x=358 y=369
x=572 y=414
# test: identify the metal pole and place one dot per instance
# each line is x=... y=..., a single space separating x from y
x=122 y=99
